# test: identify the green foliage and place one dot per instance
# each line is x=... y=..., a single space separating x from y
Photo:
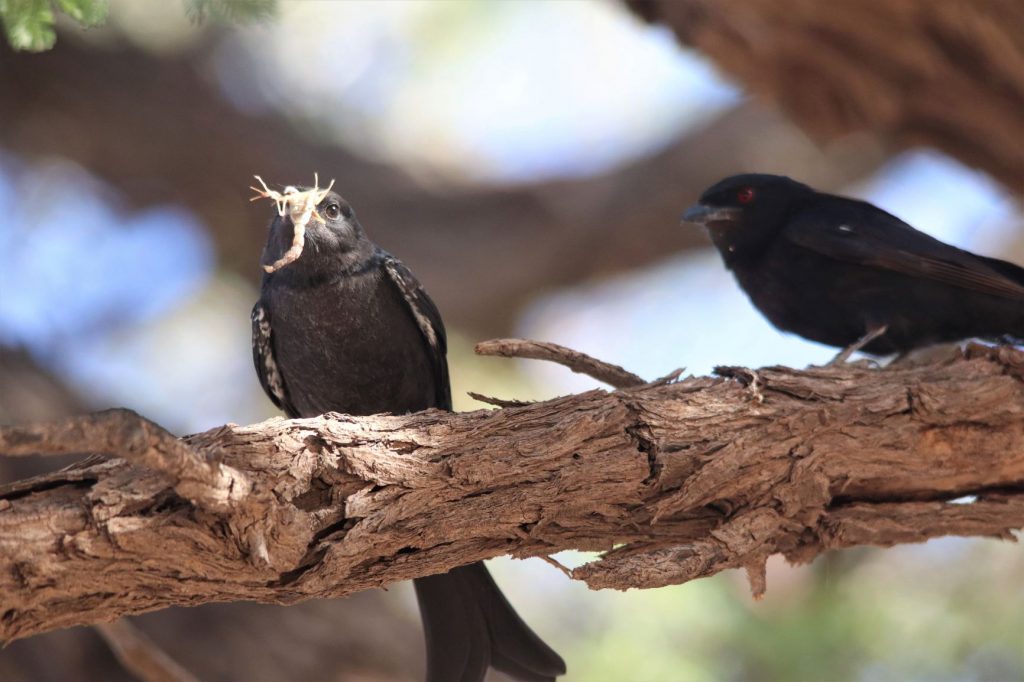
x=29 y=23
x=238 y=11
x=85 y=12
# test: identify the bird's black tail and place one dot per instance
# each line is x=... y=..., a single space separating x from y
x=1011 y=271
x=469 y=625
x=1009 y=324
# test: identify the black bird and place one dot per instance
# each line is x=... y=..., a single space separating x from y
x=843 y=272
x=346 y=327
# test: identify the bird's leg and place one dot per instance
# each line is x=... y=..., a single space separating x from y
x=845 y=354
x=1010 y=340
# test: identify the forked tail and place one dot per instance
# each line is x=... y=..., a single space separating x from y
x=469 y=625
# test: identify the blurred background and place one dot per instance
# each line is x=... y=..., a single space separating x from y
x=529 y=161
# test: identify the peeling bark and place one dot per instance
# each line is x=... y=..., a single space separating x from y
x=683 y=479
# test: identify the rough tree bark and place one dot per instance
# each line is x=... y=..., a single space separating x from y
x=947 y=74
x=675 y=480
x=316 y=641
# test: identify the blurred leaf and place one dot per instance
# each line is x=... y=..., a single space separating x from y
x=230 y=10
x=29 y=23
x=85 y=12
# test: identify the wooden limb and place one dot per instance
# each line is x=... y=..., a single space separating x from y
x=683 y=479
x=123 y=433
x=140 y=655
x=948 y=75
x=578 y=362
x=351 y=637
x=497 y=402
x=749 y=539
x=745 y=376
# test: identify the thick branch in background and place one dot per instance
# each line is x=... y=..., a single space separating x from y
x=138 y=654
x=948 y=75
x=683 y=479
x=509 y=241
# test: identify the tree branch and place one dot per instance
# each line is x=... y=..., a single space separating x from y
x=139 y=655
x=578 y=362
x=948 y=75
x=683 y=479
x=123 y=433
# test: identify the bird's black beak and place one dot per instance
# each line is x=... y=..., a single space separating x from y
x=702 y=214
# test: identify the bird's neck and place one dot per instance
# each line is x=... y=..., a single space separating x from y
x=734 y=251
x=313 y=270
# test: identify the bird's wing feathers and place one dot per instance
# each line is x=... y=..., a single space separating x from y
x=872 y=237
x=270 y=376
x=428 y=319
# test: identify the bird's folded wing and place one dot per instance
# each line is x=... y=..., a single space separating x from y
x=877 y=239
x=428 y=319
x=267 y=370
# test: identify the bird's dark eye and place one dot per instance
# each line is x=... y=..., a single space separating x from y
x=745 y=195
x=332 y=211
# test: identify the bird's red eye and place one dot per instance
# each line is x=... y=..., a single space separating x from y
x=745 y=195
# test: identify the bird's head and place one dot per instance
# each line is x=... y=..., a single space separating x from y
x=314 y=234
x=742 y=213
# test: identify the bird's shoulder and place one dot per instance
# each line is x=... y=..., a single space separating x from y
x=843 y=225
x=860 y=233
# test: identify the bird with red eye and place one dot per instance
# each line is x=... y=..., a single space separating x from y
x=844 y=273
x=729 y=204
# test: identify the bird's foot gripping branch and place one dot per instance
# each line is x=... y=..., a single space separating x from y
x=684 y=478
